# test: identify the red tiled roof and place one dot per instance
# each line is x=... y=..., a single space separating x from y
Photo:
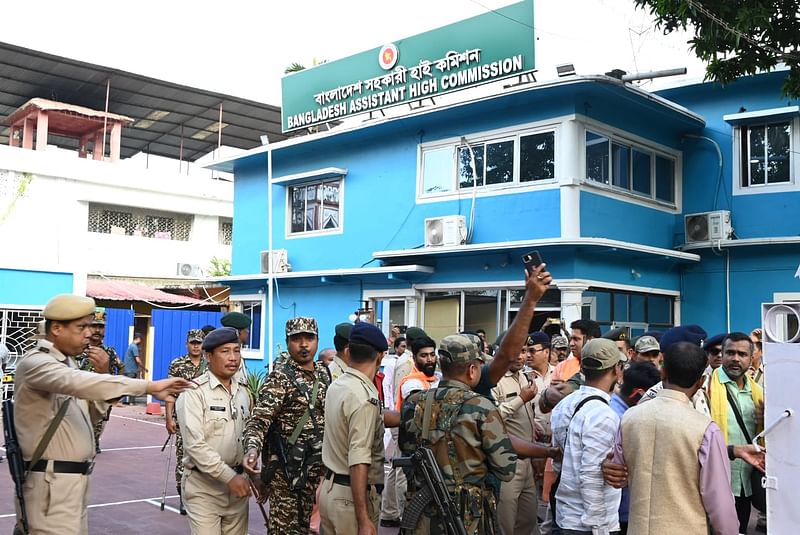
x=115 y=290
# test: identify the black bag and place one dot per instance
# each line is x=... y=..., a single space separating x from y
x=759 y=496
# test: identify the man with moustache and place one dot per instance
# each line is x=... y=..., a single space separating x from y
x=48 y=383
x=423 y=375
x=289 y=417
x=211 y=419
x=735 y=397
x=192 y=364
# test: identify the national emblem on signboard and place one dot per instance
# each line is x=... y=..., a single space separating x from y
x=387 y=57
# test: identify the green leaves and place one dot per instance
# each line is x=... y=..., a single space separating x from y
x=737 y=37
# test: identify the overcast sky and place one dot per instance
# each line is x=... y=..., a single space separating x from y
x=242 y=47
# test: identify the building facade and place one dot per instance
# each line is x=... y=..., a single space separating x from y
x=422 y=219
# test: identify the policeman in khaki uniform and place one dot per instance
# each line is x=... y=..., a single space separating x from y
x=47 y=378
x=518 y=504
x=211 y=418
x=352 y=449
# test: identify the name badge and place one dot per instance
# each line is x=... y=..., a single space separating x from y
x=217 y=408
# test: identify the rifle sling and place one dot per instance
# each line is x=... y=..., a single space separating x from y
x=48 y=435
x=426 y=415
x=311 y=404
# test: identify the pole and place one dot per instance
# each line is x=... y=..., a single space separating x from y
x=166 y=474
x=269 y=263
x=105 y=118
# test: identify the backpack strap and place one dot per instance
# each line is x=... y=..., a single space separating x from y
x=312 y=401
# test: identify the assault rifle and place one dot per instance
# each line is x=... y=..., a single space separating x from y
x=15 y=463
x=427 y=471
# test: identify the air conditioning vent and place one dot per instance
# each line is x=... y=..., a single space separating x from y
x=708 y=226
x=188 y=270
x=443 y=231
x=280 y=263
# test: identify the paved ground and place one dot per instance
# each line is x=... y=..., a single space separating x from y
x=128 y=479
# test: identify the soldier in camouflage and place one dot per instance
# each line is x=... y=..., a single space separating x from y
x=191 y=365
x=115 y=365
x=466 y=435
x=286 y=429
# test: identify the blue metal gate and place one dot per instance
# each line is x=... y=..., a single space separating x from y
x=119 y=322
x=170 y=327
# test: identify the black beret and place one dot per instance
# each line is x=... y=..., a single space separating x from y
x=343 y=330
x=714 y=340
x=620 y=333
x=368 y=334
x=538 y=337
x=237 y=320
x=217 y=337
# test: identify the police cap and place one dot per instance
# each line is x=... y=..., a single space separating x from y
x=68 y=307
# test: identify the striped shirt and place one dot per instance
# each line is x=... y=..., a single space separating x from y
x=583 y=500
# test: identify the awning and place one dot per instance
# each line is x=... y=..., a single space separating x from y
x=116 y=290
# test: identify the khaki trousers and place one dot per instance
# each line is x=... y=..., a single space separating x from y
x=338 y=511
x=518 y=505
x=56 y=503
x=211 y=508
x=393 y=499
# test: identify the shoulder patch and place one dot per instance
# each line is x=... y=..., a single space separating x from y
x=203 y=379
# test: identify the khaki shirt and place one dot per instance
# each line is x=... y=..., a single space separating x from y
x=45 y=378
x=353 y=426
x=542 y=382
x=517 y=416
x=337 y=367
x=212 y=421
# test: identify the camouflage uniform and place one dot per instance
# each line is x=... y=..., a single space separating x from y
x=183 y=367
x=281 y=405
x=115 y=367
x=468 y=439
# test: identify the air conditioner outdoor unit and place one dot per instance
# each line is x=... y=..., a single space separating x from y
x=280 y=263
x=708 y=226
x=188 y=270
x=447 y=230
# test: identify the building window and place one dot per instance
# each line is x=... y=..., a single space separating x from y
x=485 y=163
x=315 y=207
x=225 y=231
x=766 y=152
x=640 y=312
x=253 y=309
x=629 y=167
x=128 y=221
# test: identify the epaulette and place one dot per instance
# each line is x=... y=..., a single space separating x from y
x=201 y=380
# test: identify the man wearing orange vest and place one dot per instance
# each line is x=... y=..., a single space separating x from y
x=423 y=376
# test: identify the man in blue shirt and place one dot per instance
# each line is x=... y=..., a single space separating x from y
x=636 y=380
x=134 y=368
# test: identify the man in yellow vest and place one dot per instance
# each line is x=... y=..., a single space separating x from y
x=737 y=406
x=677 y=463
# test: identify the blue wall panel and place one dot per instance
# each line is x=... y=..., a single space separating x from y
x=20 y=287
x=250 y=218
x=118 y=329
x=170 y=328
x=604 y=217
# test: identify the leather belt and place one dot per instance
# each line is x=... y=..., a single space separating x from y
x=62 y=467
x=239 y=469
x=344 y=480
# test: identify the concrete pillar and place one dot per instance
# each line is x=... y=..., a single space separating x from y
x=116 y=140
x=12 y=141
x=27 y=133
x=98 y=145
x=569 y=180
x=571 y=301
x=83 y=147
x=412 y=307
x=42 y=124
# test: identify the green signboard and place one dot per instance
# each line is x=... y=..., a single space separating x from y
x=495 y=45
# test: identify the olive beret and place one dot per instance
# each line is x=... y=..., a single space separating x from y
x=237 y=320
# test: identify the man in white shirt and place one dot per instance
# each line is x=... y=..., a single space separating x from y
x=584 y=427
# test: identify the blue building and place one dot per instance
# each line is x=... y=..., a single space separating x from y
x=422 y=219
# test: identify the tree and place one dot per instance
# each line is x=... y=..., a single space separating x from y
x=220 y=267
x=737 y=37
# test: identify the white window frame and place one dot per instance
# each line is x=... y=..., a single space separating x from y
x=289 y=235
x=633 y=142
x=493 y=136
x=236 y=303
x=794 y=162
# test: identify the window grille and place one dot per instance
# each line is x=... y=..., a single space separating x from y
x=225 y=231
x=18 y=329
x=128 y=221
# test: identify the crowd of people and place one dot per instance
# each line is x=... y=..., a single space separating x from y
x=561 y=432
